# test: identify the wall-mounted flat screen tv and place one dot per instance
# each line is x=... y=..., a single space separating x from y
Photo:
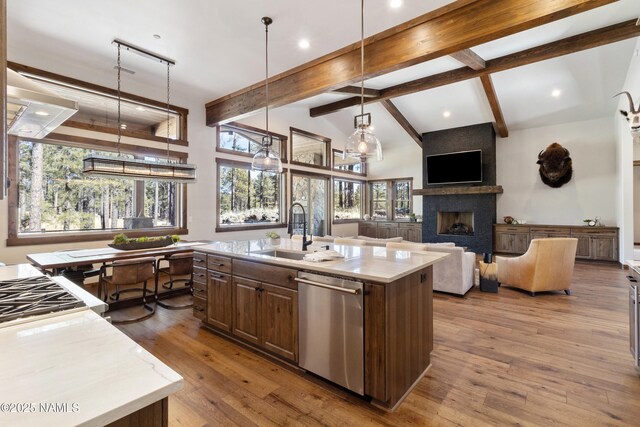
x=454 y=168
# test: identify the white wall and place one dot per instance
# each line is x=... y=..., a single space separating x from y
x=625 y=149
x=590 y=192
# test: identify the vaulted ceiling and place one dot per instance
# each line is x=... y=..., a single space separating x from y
x=219 y=48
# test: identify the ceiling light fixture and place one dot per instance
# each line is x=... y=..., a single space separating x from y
x=446 y=114
x=304 y=44
x=42 y=113
x=395 y=3
x=362 y=144
x=123 y=167
x=265 y=159
x=556 y=93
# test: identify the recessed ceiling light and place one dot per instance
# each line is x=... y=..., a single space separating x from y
x=42 y=113
x=25 y=130
x=304 y=44
x=139 y=108
x=446 y=114
x=556 y=93
x=395 y=3
x=123 y=126
x=156 y=36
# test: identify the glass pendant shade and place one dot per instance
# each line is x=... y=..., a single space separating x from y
x=265 y=160
x=363 y=144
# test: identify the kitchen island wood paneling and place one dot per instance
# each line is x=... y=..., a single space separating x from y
x=397 y=308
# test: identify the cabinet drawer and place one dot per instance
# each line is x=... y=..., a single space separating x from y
x=199 y=259
x=199 y=308
x=551 y=230
x=414 y=225
x=513 y=229
x=388 y=225
x=273 y=274
x=593 y=232
x=219 y=263
x=199 y=275
x=199 y=290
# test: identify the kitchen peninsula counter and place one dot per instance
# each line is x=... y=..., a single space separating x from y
x=252 y=297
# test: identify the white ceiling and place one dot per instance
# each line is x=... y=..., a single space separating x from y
x=219 y=47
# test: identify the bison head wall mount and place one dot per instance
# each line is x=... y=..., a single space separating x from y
x=555 y=165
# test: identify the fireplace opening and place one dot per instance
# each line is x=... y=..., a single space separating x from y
x=455 y=223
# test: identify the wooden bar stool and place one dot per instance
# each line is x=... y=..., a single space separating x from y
x=180 y=265
x=126 y=273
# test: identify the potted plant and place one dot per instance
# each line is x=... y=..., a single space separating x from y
x=274 y=238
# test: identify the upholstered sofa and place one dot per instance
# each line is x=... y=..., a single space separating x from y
x=455 y=274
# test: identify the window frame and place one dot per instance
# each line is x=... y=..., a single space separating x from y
x=14 y=238
x=391 y=197
x=362 y=200
x=328 y=195
x=324 y=139
x=283 y=140
x=219 y=228
x=335 y=152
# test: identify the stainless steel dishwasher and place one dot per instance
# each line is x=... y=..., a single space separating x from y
x=331 y=328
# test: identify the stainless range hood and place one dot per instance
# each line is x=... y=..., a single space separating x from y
x=32 y=110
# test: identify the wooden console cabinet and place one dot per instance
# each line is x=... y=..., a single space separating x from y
x=410 y=231
x=595 y=243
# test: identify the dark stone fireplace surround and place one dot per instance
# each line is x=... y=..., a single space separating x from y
x=483 y=206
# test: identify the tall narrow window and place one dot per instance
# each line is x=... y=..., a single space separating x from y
x=379 y=200
x=312 y=193
x=402 y=199
x=247 y=198
x=347 y=200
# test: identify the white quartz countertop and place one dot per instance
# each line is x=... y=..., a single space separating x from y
x=81 y=363
x=634 y=265
x=369 y=263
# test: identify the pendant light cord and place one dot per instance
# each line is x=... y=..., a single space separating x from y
x=266 y=79
x=119 y=101
x=362 y=58
x=168 y=109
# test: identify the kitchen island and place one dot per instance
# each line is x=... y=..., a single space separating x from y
x=252 y=293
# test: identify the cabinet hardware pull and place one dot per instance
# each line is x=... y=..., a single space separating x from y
x=333 y=288
x=199 y=274
x=217 y=276
x=198 y=260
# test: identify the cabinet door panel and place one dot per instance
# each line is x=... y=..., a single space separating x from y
x=280 y=321
x=219 y=301
x=604 y=248
x=386 y=232
x=521 y=243
x=246 y=322
x=583 y=250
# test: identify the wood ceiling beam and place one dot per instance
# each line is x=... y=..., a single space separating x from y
x=402 y=121
x=355 y=90
x=469 y=58
x=600 y=37
x=435 y=34
x=489 y=90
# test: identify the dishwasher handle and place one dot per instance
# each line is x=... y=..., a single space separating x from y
x=333 y=288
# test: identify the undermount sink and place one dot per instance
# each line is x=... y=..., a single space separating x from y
x=279 y=253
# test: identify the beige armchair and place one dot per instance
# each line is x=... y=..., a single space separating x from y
x=546 y=266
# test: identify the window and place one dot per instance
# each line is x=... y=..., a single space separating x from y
x=247 y=198
x=245 y=140
x=54 y=195
x=312 y=192
x=401 y=199
x=379 y=200
x=309 y=149
x=347 y=200
x=348 y=165
x=391 y=199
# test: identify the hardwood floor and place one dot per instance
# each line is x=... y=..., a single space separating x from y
x=499 y=359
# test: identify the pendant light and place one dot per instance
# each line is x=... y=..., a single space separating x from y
x=265 y=159
x=123 y=167
x=362 y=144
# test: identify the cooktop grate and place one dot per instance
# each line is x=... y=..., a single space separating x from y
x=32 y=296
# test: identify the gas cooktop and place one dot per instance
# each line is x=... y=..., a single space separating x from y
x=32 y=296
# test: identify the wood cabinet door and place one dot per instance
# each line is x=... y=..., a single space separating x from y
x=387 y=231
x=520 y=242
x=604 y=248
x=219 y=300
x=367 y=229
x=280 y=321
x=414 y=235
x=583 y=250
x=246 y=304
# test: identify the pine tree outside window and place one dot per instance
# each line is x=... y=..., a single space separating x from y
x=347 y=200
